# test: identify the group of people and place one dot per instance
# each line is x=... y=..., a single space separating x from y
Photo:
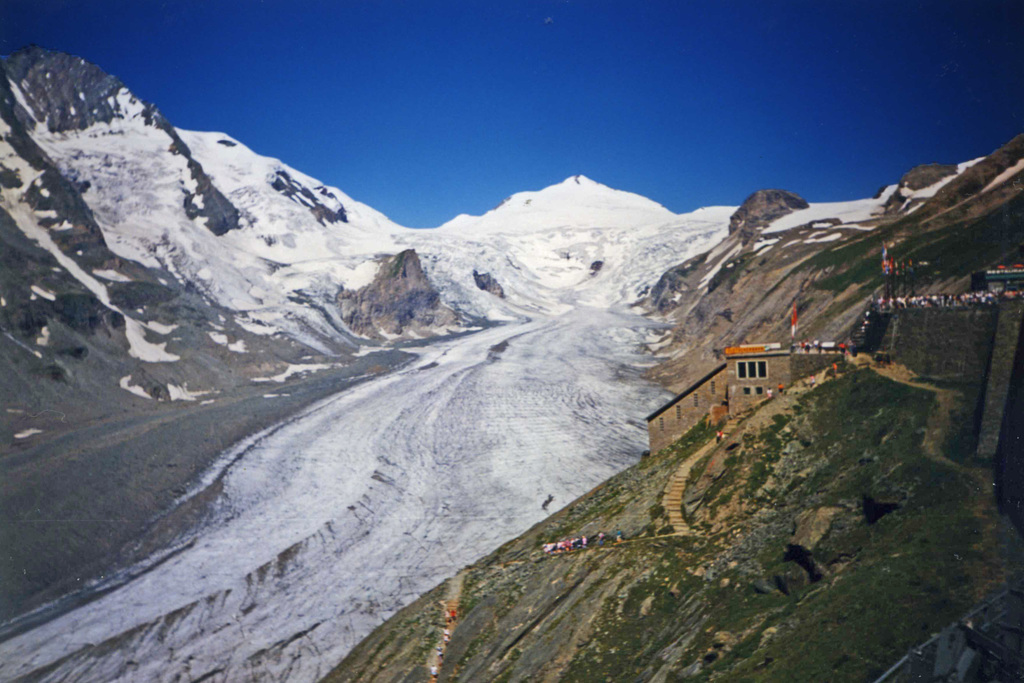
x=940 y=300
x=578 y=543
x=450 y=617
x=817 y=346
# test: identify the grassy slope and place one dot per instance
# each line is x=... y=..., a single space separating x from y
x=687 y=603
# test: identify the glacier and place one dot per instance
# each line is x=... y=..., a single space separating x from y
x=332 y=521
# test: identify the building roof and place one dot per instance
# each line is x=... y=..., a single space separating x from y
x=1005 y=273
x=750 y=350
x=686 y=393
x=758 y=354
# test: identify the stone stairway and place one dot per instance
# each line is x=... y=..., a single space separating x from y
x=672 y=497
x=1004 y=348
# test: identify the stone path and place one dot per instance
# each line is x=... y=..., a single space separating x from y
x=675 y=489
x=448 y=605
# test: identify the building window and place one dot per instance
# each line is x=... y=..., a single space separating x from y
x=661 y=423
x=679 y=411
x=746 y=390
x=752 y=369
x=758 y=390
x=712 y=387
x=695 y=400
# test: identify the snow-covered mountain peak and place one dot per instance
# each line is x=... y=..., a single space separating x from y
x=576 y=202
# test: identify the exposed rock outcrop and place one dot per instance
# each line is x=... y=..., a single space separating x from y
x=761 y=208
x=812 y=525
x=487 y=283
x=926 y=175
x=399 y=300
x=300 y=194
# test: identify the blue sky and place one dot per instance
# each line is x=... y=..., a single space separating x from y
x=424 y=110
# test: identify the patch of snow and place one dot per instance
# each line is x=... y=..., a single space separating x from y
x=831 y=237
x=144 y=350
x=766 y=245
x=161 y=328
x=27 y=433
x=111 y=275
x=126 y=384
x=183 y=394
x=44 y=337
x=238 y=346
x=1005 y=175
x=847 y=212
x=294 y=370
x=218 y=338
x=19 y=96
x=45 y=293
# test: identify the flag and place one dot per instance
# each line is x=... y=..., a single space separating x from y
x=885 y=260
x=792 y=328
